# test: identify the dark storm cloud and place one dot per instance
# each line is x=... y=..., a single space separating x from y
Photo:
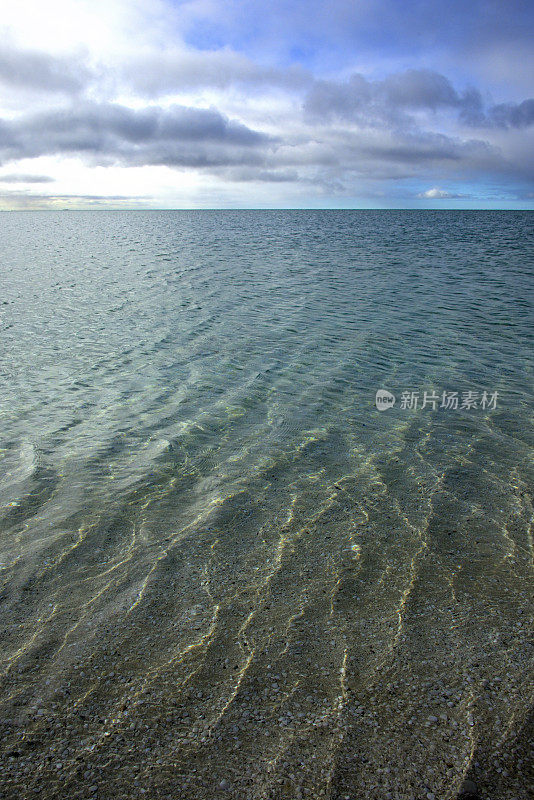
x=42 y=72
x=110 y=133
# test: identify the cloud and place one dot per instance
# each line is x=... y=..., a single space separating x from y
x=391 y=101
x=442 y=194
x=21 y=178
x=330 y=99
x=339 y=99
x=513 y=115
x=29 y=69
x=428 y=148
x=208 y=141
x=177 y=70
x=112 y=133
x=205 y=139
x=251 y=174
x=347 y=156
x=22 y=201
x=417 y=88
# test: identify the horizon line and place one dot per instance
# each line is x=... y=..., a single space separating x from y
x=269 y=208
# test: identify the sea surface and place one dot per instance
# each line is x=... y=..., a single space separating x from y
x=224 y=572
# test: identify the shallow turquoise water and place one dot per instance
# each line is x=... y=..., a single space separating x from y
x=197 y=492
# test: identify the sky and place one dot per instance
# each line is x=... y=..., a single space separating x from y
x=247 y=104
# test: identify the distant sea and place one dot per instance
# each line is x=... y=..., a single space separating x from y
x=224 y=571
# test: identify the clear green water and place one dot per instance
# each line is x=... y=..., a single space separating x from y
x=219 y=561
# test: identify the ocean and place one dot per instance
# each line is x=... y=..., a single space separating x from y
x=228 y=568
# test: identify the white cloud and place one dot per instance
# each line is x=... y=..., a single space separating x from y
x=441 y=194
